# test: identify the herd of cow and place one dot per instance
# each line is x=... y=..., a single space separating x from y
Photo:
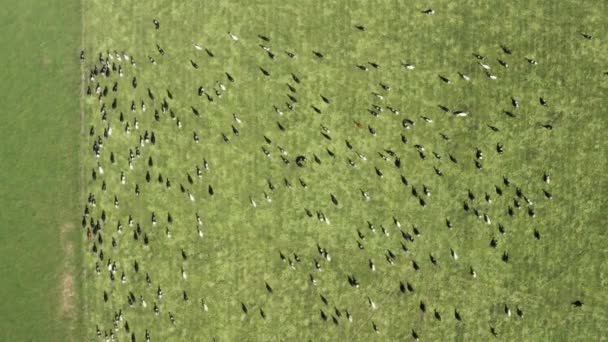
x=136 y=125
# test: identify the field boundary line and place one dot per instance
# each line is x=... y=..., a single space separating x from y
x=81 y=183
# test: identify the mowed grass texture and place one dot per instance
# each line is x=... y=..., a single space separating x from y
x=227 y=269
x=40 y=249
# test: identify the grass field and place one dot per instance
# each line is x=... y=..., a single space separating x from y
x=39 y=191
x=228 y=268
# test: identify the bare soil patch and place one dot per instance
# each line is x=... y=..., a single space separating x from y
x=67 y=288
x=67 y=298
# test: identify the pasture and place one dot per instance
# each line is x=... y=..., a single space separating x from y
x=474 y=186
x=40 y=245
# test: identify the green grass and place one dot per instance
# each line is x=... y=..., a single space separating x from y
x=240 y=249
x=39 y=169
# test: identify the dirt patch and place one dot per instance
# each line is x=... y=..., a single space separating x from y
x=67 y=299
x=46 y=62
x=66 y=228
x=68 y=249
x=66 y=245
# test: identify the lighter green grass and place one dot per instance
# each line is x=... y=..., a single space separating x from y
x=240 y=250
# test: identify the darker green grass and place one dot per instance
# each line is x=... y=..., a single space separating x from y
x=38 y=168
